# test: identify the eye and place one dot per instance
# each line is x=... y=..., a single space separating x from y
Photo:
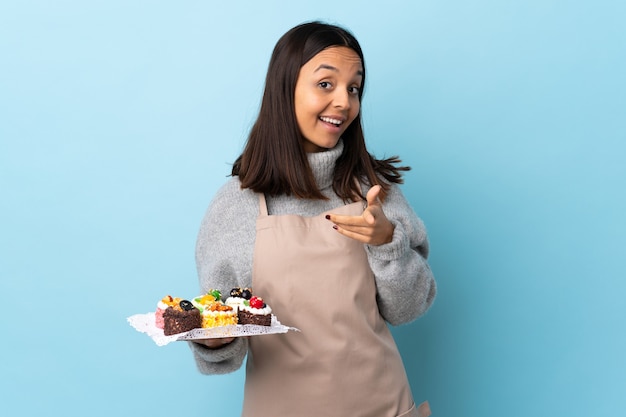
x=324 y=84
x=354 y=90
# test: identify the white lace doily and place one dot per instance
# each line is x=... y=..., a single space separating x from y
x=144 y=323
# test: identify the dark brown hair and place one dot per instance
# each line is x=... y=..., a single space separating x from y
x=274 y=161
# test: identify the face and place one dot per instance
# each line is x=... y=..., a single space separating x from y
x=327 y=96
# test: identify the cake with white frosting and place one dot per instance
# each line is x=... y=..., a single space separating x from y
x=250 y=309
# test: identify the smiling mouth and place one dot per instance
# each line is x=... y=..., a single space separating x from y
x=332 y=121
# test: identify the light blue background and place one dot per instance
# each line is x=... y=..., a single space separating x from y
x=118 y=122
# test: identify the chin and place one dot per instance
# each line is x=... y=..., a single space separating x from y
x=331 y=144
x=321 y=146
x=327 y=148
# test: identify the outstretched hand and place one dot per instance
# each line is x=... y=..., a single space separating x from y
x=371 y=227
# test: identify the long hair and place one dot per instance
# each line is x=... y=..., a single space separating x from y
x=274 y=161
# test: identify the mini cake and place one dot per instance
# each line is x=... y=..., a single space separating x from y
x=255 y=311
x=238 y=296
x=162 y=305
x=214 y=312
x=181 y=318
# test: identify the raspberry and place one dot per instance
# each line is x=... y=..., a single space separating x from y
x=256 y=302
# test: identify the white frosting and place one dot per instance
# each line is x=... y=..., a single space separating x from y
x=239 y=303
x=162 y=305
x=235 y=302
x=261 y=311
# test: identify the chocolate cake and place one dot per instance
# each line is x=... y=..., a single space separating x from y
x=254 y=311
x=245 y=317
x=181 y=318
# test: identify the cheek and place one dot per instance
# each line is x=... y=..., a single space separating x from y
x=355 y=109
x=302 y=101
x=314 y=103
x=301 y=110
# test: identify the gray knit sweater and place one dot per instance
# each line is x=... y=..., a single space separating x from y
x=225 y=246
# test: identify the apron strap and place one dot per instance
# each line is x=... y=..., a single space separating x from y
x=423 y=410
x=262 y=205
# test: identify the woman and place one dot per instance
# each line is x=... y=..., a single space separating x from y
x=320 y=229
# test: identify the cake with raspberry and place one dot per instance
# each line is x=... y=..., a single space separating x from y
x=181 y=318
x=250 y=309
x=255 y=311
x=213 y=311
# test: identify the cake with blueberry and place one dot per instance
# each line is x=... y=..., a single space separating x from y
x=181 y=318
x=250 y=309
x=238 y=296
x=213 y=311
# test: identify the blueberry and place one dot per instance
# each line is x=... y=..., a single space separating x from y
x=246 y=294
x=186 y=305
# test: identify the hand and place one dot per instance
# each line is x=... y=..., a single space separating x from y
x=371 y=227
x=214 y=343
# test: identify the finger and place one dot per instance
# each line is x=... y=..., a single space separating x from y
x=347 y=220
x=358 y=230
x=372 y=196
x=215 y=343
x=364 y=238
x=367 y=219
x=369 y=235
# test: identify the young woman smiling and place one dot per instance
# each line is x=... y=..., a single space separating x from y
x=318 y=227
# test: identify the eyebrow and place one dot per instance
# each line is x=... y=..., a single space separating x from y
x=331 y=68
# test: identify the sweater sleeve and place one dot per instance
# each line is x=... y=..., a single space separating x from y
x=224 y=260
x=405 y=284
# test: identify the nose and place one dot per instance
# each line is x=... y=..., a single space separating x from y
x=341 y=99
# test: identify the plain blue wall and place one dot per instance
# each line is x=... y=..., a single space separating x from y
x=119 y=119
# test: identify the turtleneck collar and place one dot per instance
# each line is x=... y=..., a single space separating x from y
x=323 y=165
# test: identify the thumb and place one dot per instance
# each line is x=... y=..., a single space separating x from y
x=372 y=196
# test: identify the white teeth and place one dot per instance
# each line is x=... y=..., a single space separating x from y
x=329 y=120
